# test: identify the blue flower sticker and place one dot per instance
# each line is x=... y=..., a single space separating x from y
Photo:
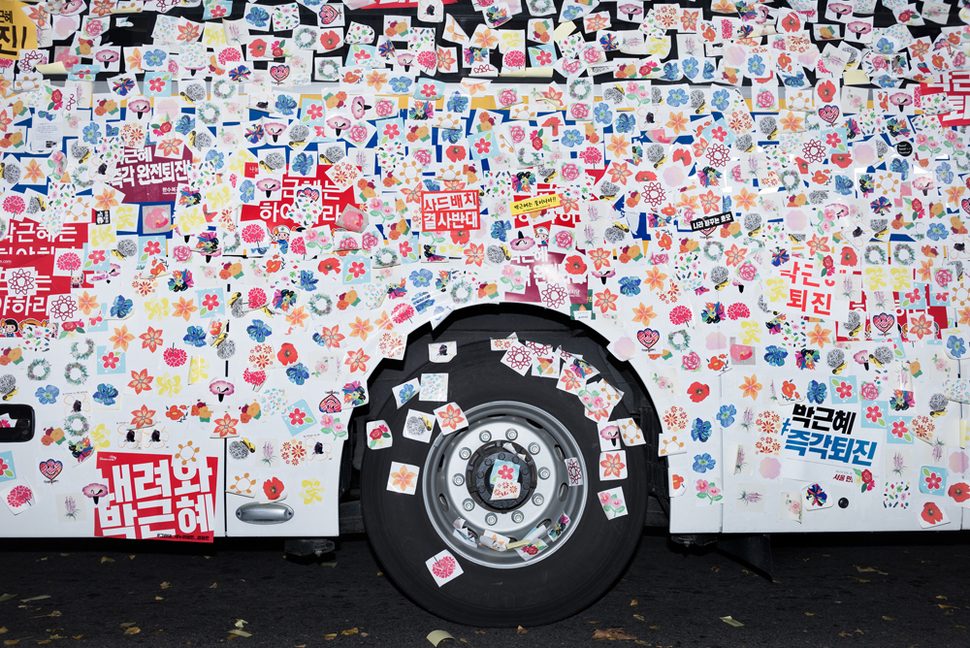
x=775 y=356
x=297 y=374
x=671 y=71
x=406 y=393
x=602 y=114
x=703 y=463
x=572 y=138
x=844 y=185
x=216 y=158
x=500 y=229
x=308 y=280
x=725 y=416
x=106 y=394
x=817 y=391
x=154 y=57
x=884 y=46
x=194 y=336
x=47 y=395
x=691 y=67
x=92 y=133
x=677 y=97
x=937 y=232
x=629 y=286
x=957 y=346
x=120 y=307
x=258 y=17
x=401 y=85
x=302 y=163
x=701 y=430
x=457 y=103
x=258 y=331
x=421 y=278
x=756 y=66
x=625 y=122
x=247 y=191
x=184 y=125
x=720 y=100
x=285 y=105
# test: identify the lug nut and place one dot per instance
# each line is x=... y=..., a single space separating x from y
x=537 y=500
x=465 y=453
x=534 y=448
x=517 y=517
x=458 y=479
x=468 y=505
x=544 y=473
x=491 y=519
x=511 y=434
x=485 y=436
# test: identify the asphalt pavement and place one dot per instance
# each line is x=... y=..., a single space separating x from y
x=880 y=590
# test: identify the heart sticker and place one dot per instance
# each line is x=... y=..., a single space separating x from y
x=965 y=203
x=829 y=113
x=884 y=322
x=279 y=72
x=50 y=469
x=648 y=338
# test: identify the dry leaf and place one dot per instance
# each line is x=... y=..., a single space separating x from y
x=35 y=598
x=715 y=569
x=870 y=569
x=13 y=642
x=437 y=636
x=55 y=613
x=3 y=630
x=633 y=602
x=159 y=598
x=888 y=618
x=809 y=614
x=105 y=559
x=331 y=636
x=328 y=564
x=732 y=622
x=166 y=585
x=612 y=633
x=7 y=597
x=240 y=633
x=521 y=630
x=241 y=623
x=133 y=630
x=352 y=631
x=128 y=624
x=941 y=597
x=214 y=585
x=639 y=617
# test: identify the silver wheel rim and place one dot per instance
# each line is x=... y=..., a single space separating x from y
x=451 y=481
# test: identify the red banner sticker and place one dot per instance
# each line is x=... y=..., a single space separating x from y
x=275 y=212
x=145 y=177
x=155 y=496
x=447 y=211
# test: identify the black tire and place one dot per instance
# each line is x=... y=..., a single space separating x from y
x=587 y=559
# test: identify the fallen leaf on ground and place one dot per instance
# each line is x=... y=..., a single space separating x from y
x=437 y=636
x=612 y=633
x=888 y=618
x=165 y=585
x=240 y=633
x=809 y=614
x=352 y=631
x=732 y=622
x=55 y=613
x=13 y=642
x=105 y=559
x=35 y=598
x=131 y=557
x=520 y=630
x=214 y=585
x=7 y=597
x=639 y=617
x=132 y=630
x=633 y=602
x=159 y=598
x=128 y=624
x=241 y=623
x=328 y=564
x=3 y=630
x=331 y=636
x=870 y=569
